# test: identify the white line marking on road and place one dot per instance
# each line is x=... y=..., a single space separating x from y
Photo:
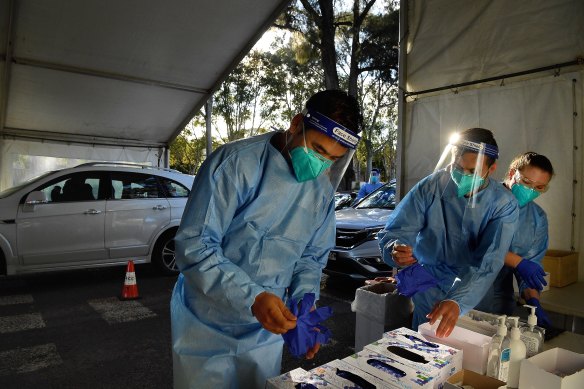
x=26 y=360
x=16 y=299
x=115 y=311
x=18 y=323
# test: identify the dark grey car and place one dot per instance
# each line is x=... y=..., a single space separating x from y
x=356 y=254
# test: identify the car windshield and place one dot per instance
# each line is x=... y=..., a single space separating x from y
x=383 y=197
x=9 y=191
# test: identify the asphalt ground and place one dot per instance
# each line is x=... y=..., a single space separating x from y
x=69 y=330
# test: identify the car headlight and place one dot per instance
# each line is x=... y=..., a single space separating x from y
x=372 y=232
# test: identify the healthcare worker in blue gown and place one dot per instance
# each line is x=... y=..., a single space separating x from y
x=454 y=228
x=370 y=186
x=528 y=176
x=256 y=232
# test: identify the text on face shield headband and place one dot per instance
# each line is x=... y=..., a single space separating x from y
x=334 y=130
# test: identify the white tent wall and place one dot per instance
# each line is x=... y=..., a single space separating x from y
x=22 y=159
x=451 y=42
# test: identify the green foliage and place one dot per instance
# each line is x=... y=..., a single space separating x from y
x=268 y=88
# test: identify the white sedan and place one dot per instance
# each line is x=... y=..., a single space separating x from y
x=95 y=214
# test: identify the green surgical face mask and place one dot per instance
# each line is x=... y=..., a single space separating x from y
x=523 y=194
x=464 y=182
x=307 y=163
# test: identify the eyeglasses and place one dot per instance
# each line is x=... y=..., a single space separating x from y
x=537 y=186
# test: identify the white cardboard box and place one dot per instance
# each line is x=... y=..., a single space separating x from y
x=391 y=371
x=475 y=346
x=294 y=377
x=328 y=372
x=415 y=358
x=446 y=353
x=553 y=369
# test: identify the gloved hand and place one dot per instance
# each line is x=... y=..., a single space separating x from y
x=532 y=273
x=308 y=332
x=272 y=313
x=542 y=317
x=414 y=279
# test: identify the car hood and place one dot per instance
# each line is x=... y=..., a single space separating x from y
x=352 y=218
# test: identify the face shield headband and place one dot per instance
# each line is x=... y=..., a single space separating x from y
x=332 y=129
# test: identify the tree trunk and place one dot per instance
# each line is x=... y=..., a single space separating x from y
x=328 y=50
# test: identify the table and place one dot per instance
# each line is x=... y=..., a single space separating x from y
x=568 y=300
x=567 y=340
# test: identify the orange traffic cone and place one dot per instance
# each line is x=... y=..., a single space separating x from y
x=130 y=288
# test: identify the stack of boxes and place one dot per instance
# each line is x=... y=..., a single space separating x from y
x=401 y=359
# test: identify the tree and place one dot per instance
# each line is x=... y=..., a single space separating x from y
x=292 y=76
x=357 y=42
x=188 y=151
x=237 y=102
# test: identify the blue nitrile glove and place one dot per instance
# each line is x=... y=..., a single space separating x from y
x=308 y=331
x=532 y=273
x=542 y=317
x=414 y=279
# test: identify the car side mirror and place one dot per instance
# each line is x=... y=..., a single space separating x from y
x=36 y=197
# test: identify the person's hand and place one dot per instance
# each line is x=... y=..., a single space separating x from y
x=311 y=352
x=447 y=311
x=272 y=313
x=377 y=280
x=542 y=318
x=532 y=274
x=403 y=255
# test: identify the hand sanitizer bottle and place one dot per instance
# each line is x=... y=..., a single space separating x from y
x=531 y=335
x=517 y=354
x=499 y=353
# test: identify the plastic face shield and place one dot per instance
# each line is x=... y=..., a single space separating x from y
x=468 y=182
x=341 y=134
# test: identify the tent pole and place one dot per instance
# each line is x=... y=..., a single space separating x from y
x=556 y=67
x=401 y=105
x=208 y=115
x=575 y=165
x=5 y=76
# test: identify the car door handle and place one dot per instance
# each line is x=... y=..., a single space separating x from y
x=92 y=212
x=159 y=207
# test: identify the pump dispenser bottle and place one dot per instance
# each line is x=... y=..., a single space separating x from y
x=531 y=335
x=517 y=354
x=499 y=353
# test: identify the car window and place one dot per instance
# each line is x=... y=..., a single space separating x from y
x=127 y=185
x=173 y=188
x=82 y=186
x=383 y=197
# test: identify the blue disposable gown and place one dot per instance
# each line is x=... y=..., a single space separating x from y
x=248 y=227
x=367 y=188
x=462 y=247
x=530 y=242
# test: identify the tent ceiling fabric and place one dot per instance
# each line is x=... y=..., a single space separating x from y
x=130 y=70
x=451 y=42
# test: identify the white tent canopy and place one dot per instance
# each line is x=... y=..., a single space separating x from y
x=514 y=67
x=108 y=75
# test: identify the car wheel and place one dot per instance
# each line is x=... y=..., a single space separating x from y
x=163 y=255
